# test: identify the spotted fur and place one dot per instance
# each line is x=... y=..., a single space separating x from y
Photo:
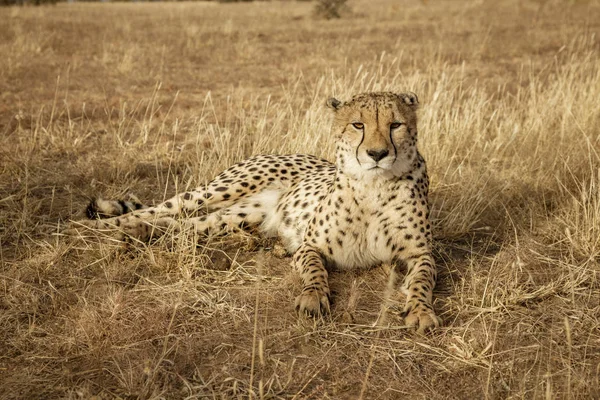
x=368 y=208
x=101 y=208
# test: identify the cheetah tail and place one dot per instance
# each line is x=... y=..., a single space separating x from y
x=101 y=208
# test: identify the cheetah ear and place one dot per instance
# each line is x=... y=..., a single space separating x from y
x=410 y=99
x=334 y=103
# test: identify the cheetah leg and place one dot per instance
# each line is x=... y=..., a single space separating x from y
x=418 y=286
x=188 y=202
x=248 y=213
x=229 y=219
x=314 y=299
x=223 y=191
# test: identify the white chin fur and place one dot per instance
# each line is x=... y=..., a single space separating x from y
x=368 y=169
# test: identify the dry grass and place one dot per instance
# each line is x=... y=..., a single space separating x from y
x=154 y=98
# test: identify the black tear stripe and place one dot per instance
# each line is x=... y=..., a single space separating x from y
x=394 y=145
x=362 y=139
x=358 y=147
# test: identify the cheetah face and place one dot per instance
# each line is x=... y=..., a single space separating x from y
x=376 y=133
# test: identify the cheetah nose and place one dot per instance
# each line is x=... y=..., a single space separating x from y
x=378 y=154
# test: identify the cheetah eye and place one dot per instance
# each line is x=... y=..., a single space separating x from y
x=358 y=125
x=395 y=125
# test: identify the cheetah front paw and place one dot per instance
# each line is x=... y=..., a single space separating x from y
x=421 y=316
x=313 y=302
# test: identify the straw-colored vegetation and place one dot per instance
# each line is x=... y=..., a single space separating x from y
x=156 y=98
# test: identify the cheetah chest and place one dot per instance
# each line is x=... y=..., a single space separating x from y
x=364 y=226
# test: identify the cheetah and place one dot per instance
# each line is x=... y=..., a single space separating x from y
x=369 y=208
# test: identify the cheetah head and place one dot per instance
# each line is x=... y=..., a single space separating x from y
x=376 y=134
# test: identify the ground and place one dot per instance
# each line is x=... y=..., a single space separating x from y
x=154 y=98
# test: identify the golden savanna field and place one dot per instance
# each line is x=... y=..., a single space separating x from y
x=155 y=98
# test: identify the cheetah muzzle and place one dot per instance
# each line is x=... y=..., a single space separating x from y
x=368 y=208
